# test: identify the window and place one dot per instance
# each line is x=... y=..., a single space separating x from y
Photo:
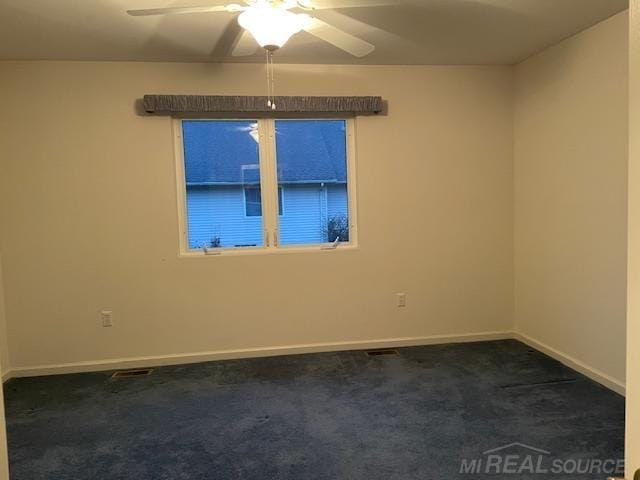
x=265 y=185
x=220 y=160
x=312 y=166
x=253 y=201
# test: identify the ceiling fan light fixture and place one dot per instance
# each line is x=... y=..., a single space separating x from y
x=272 y=27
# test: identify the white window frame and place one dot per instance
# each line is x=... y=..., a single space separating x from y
x=269 y=186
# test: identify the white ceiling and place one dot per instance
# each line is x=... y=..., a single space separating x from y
x=407 y=32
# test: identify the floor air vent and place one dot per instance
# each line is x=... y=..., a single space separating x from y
x=137 y=372
x=380 y=353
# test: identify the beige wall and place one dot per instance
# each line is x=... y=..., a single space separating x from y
x=89 y=216
x=4 y=362
x=570 y=198
x=633 y=318
x=4 y=347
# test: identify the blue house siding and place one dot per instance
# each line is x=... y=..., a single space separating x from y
x=337 y=200
x=219 y=212
x=306 y=211
x=301 y=219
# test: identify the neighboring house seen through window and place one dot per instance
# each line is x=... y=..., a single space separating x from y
x=239 y=177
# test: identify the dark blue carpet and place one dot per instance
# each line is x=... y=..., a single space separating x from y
x=324 y=416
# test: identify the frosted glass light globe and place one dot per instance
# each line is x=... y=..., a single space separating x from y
x=272 y=27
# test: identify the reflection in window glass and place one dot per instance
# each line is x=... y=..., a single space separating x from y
x=222 y=171
x=312 y=173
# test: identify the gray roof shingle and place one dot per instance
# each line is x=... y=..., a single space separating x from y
x=225 y=152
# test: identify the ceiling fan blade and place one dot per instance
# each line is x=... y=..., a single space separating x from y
x=245 y=46
x=336 y=4
x=183 y=10
x=227 y=40
x=339 y=38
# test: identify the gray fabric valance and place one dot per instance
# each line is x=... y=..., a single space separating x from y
x=185 y=105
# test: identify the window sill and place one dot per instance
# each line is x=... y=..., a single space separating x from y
x=268 y=251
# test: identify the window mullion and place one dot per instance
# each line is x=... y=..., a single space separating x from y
x=351 y=180
x=269 y=182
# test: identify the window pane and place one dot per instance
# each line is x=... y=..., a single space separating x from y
x=221 y=165
x=253 y=201
x=312 y=174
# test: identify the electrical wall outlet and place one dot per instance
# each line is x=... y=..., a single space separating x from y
x=402 y=300
x=107 y=318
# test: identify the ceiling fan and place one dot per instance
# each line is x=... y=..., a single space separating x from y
x=271 y=23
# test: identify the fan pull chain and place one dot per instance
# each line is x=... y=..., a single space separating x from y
x=271 y=98
x=273 y=82
x=266 y=52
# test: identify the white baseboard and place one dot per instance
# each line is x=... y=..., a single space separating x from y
x=594 y=374
x=178 y=359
